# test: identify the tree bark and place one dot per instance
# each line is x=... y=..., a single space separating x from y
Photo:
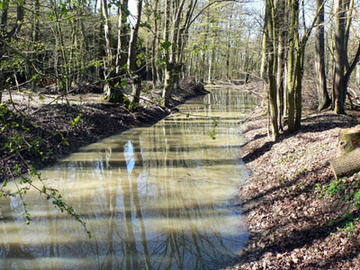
x=348 y=160
x=263 y=73
x=133 y=39
x=154 y=74
x=166 y=94
x=323 y=96
x=340 y=56
x=294 y=29
x=168 y=84
x=4 y=18
x=123 y=38
x=299 y=72
x=271 y=70
x=281 y=60
x=132 y=63
x=347 y=164
x=349 y=139
x=351 y=68
x=111 y=93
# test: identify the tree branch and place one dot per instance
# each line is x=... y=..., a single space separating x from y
x=209 y=5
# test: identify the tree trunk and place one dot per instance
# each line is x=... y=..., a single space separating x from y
x=168 y=84
x=168 y=65
x=228 y=49
x=348 y=160
x=281 y=60
x=4 y=18
x=294 y=32
x=351 y=68
x=349 y=139
x=347 y=164
x=64 y=78
x=154 y=55
x=3 y=26
x=271 y=69
x=211 y=62
x=202 y=73
x=136 y=90
x=111 y=93
x=132 y=65
x=123 y=39
x=340 y=52
x=323 y=96
x=133 y=39
x=30 y=71
x=300 y=54
x=264 y=46
x=9 y=35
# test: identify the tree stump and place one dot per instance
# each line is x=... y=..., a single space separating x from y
x=348 y=160
x=347 y=164
x=349 y=139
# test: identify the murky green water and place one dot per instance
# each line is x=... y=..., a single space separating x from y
x=154 y=198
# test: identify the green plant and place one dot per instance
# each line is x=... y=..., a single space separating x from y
x=335 y=187
x=357 y=198
x=76 y=120
x=17 y=127
x=345 y=223
x=283 y=180
x=212 y=133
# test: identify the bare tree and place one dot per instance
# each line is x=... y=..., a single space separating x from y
x=339 y=90
x=323 y=96
x=132 y=61
x=112 y=94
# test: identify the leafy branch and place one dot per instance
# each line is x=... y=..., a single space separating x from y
x=16 y=127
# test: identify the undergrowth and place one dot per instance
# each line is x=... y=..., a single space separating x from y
x=15 y=139
x=345 y=189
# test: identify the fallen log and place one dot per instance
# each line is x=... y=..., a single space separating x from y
x=346 y=165
x=349 y=139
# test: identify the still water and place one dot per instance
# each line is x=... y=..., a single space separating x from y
x=161 y=197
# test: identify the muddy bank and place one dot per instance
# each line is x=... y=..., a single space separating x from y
x=298 y=216
x=43 y=128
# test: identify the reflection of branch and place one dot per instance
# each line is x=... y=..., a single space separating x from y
x=130 y=244
x=137 y=205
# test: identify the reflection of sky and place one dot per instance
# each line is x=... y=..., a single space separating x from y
x=129 y=156
x=174 y=205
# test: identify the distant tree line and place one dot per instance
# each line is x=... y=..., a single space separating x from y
x=162 y=41
x=74 y=42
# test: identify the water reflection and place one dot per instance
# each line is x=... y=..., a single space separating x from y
x=154 y=198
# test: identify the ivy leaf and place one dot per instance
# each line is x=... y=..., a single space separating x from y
x=166 y=45
x=123 y=83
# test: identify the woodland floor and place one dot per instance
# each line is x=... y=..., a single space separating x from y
x=296 y=218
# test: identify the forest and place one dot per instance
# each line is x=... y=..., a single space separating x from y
x=75 y=72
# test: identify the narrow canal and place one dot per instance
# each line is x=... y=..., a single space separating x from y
x=162 y=197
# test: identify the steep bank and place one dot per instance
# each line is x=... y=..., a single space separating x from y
x=298 y=216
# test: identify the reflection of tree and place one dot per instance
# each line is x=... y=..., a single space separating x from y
x=130 y=240
x=111 y=191
x=11 y=248
x=133 y=177
x=144 y=194
x=189 y=246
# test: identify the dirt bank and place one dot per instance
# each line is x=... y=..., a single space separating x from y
x=298 y=216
